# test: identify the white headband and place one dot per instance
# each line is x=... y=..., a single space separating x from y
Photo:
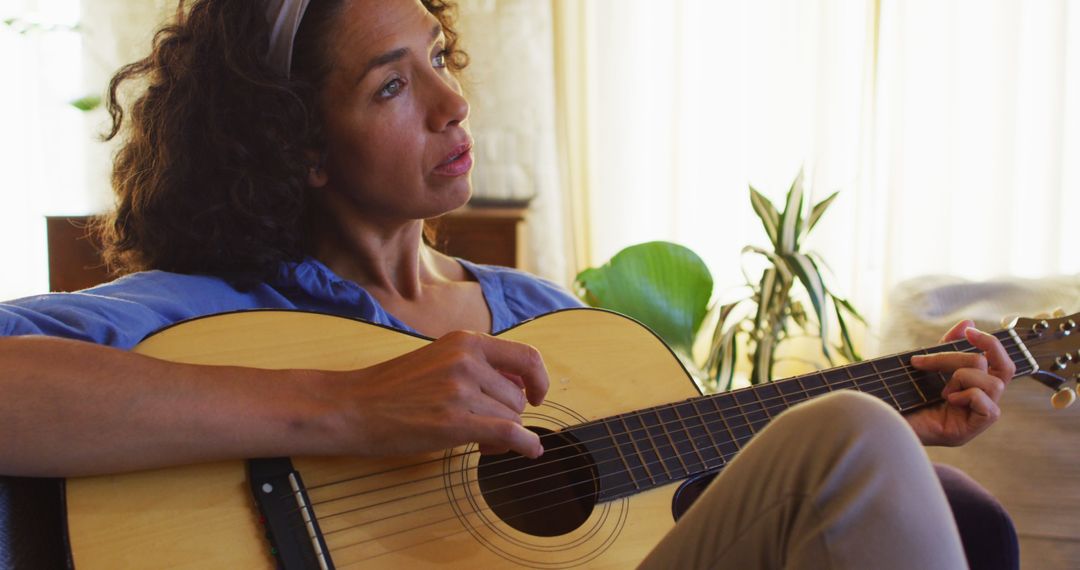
x=284 y=18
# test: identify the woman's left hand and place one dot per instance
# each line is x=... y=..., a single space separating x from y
x=976 y=382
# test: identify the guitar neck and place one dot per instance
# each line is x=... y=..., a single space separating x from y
x=655 y=446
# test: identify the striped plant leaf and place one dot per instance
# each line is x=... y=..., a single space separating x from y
x=770 y=218
x=724 y=357
x=810 y=277
x=791 y=217
x=847 y=347
x=849 y=308
x=818 y=210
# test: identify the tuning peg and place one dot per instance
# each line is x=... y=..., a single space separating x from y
x=1063 y=398
x=1040 y=327
x=1058 y=313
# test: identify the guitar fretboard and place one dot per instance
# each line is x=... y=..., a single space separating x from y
x=655 y=446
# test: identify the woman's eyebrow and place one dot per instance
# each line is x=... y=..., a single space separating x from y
x=394 y=55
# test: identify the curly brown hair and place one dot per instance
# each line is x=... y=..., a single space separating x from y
x=211 y=174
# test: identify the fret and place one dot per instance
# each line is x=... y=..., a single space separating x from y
x=772 y=398
x=638 y=435
x=717 y=423
x=638 y=458
x=929 y=384
x=911 y=378
x=866 y=380
x=654 y=438
x=897 y=376
x=815 y=385
x=839 y=379
x=750 y=408
x=761 y=402
x=617 y=471
x=714 y=452
x=679 y=440
x=792 y=391
x=727 y=412
x=884 y=382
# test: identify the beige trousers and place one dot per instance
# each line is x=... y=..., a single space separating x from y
x=838 y=482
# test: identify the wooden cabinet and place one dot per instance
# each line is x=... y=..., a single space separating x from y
x=482 y=235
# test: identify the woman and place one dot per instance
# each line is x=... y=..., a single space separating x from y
x=286 y=155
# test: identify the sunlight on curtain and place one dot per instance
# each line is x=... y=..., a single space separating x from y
x=689 y=102
x=42 y=142
x=978 y=137
x=950 y=128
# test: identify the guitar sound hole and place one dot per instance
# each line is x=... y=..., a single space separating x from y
x=549 y=496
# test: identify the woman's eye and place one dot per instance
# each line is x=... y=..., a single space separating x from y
x=392 y=88
x=439 y=61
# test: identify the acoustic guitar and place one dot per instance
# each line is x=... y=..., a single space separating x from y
x=628 y=440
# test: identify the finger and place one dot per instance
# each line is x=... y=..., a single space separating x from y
x=949 y=361
x=521 y=360
x=985 y=409
x=503 y=390
x=1001 y=365
x=957 y=331
x=483 y=405
x=968 y=378
x=514 y=378
x=497 y=434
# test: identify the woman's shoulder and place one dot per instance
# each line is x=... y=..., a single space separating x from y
x=523 y=294
x=122 y=312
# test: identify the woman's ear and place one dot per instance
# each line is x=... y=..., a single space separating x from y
x=316 y=175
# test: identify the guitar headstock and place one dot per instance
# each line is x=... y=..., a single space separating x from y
x=1053 y=341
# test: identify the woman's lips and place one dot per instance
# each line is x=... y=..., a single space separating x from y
x=457 y=163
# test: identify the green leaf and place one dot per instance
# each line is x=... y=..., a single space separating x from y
x=765 y=210
x=804 y=269
x=791 y=218
x=818 y=210
x=719 y=333
x=847 y=347
x=763 y=360
x=849 y=308
x=87 y=103
x=664 y=285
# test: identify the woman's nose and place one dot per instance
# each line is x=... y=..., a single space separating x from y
x=448 y=106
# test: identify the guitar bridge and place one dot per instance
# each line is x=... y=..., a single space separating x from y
x=291 y=527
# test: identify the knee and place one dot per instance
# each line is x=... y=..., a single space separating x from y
x=847 y=416
x=846 y=409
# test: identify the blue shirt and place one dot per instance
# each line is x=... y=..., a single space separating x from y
x=125 y=311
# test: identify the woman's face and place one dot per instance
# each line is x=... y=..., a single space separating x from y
x=398 y=147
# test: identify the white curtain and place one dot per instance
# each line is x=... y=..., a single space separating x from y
x=945 y=124
x=42 y=150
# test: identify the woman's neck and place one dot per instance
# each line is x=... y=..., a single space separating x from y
x=393 y=262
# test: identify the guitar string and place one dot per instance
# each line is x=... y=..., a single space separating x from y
x=685 y=430
x=903 y=368
x=685 y=435
x=882 y=391
x=627 y=486
x=766 y=406
x=736 y=441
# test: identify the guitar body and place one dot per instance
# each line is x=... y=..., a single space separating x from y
x=394 y=513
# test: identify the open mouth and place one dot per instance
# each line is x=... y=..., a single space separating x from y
x=457 y=163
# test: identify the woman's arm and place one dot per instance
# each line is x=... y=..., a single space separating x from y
x=71 y=408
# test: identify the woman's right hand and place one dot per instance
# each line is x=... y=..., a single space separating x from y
x=462 y=388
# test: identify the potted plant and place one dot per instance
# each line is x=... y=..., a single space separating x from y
x=669 y=288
